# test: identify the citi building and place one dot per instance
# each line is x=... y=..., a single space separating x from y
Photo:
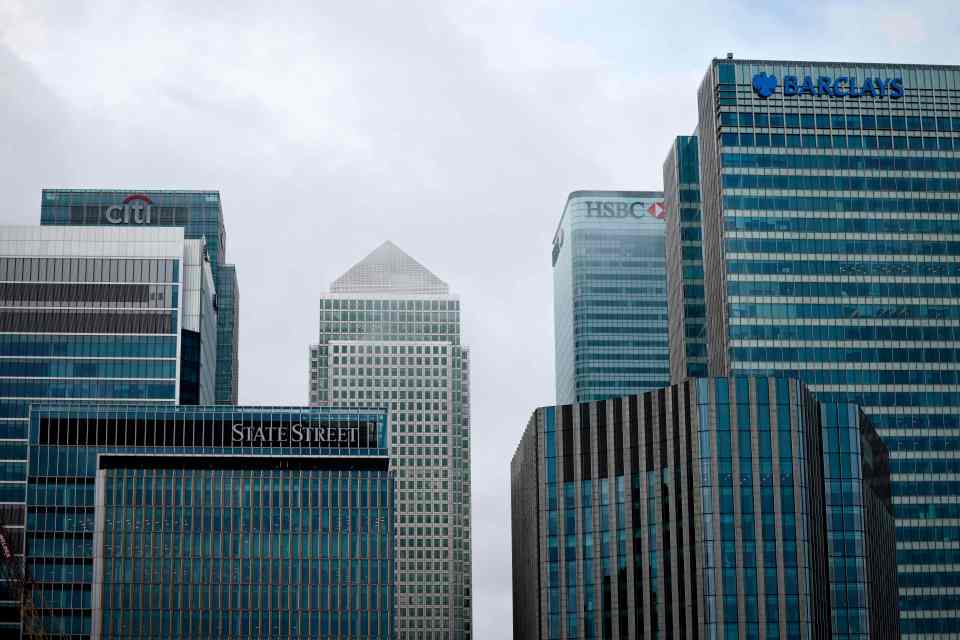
x=199 y=214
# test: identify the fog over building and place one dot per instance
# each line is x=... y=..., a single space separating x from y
x=390 y=336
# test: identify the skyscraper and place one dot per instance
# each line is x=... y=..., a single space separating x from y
x=610 y=295
x=681 y=199
x=390 y=337
x=716 y=509
x=831 y=248
x=157 y=522
x=201 y=216
x=97 y=315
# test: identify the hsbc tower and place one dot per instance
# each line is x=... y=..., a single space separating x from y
x=610 y=295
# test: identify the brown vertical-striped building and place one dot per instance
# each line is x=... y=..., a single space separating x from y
x=715 y=508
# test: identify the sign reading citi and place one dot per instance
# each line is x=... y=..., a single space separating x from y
x=765 y=85
x=136 y=209
x=639 y=210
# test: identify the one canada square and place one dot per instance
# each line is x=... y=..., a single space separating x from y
x=390 y=337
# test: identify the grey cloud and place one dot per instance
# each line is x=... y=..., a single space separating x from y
x=454 y=130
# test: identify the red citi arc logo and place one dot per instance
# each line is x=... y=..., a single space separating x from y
x=136 y=209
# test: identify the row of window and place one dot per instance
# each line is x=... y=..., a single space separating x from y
x=884 y=398
x=89 y=270
x=838 y=121
x=936 y=466
x=826 y=141
x=250 y=570
x=841 y=183
x=87 y=389
x=795 y=311
x=82 y=295
x=237 y=597
x=825 y=267
x=833 y=332
x=926 y=487
x=337 y=304
x=865 y=377
x=842 y=289
x=88 y=368
x=868 y=205
x=31 y=320
x=240 y=624
x=899 y=224
x=390 y=316
x=839 y=162
x=929 y=534
x=100 y=346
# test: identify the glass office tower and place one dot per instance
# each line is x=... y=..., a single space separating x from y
x=831 y=246
x=685 y=303
x=157 y=522
x=201 y=216
x=390 y=337
x=725 y=508
x=93 y=315
x=610 y=295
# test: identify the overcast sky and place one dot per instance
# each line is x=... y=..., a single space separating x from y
x=455 y=129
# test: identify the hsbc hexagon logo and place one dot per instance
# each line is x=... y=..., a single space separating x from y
x=657 y=210
x=136 y=209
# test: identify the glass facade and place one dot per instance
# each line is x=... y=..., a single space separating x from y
x=210 y=522
x=717 y=508
x=200 y=215
x=686 y=306
x=830 y=248
x=610 y=295
x=390 y=337
x=77 y=325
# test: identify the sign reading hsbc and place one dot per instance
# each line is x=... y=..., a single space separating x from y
x=639 y=210
x=136 y=209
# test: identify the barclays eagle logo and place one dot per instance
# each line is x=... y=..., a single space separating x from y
x=764 y=84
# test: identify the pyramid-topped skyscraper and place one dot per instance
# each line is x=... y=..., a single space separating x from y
x=390 y=337
x=389 y=270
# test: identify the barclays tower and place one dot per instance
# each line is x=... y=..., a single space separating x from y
x=830 y=231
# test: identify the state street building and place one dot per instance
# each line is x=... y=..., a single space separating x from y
x=157 y=522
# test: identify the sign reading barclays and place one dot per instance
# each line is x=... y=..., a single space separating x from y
x=765 y=85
